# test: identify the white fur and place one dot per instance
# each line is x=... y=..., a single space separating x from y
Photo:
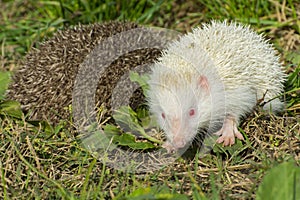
x=241 y=67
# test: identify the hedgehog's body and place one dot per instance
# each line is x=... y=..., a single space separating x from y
x=44 y=82
x=217 y=72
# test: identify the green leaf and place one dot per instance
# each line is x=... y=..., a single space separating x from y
x=146 y=120
x=141 y=80
x=11 y=108
x=127 y=139
x=294 y=57
x=111 y=130
x=142 y=193
x=127 y=119
x=141 y=145
x=4 y=82
x=155 y=193
x=281 y=182
x=96 y=140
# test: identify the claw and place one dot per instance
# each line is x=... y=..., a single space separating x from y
x=228 y=132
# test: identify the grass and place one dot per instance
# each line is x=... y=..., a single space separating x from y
x=49 y=163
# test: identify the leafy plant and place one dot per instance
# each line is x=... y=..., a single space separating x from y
x=128 y=120
x=293 y=81
x=155 y=193
x=133 y=123
x=11 y=108
x=131 y=127
x=127 y=139
x=281 y=182
x=141 y=80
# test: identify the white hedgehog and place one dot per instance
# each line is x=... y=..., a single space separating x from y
x=217 y=72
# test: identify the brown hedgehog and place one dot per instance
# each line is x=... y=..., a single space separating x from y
x=44 y=82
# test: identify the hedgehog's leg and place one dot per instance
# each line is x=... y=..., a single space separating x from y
x=228 y=132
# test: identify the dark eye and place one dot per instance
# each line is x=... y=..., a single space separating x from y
x=192 y=112
x=163 y=115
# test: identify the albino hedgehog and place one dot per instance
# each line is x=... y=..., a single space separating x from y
x=217 y=73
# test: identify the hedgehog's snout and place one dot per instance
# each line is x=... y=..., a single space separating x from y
x=179 y=142
x=178 y=139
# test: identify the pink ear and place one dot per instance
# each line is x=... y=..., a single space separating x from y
x=203 y=83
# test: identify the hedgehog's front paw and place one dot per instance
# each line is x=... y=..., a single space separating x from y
x=228 y=133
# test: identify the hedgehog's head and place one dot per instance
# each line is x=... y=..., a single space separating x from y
x=180 y=104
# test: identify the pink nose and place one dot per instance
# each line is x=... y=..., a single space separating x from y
x=179 y=142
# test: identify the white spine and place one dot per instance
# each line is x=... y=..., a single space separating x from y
x=240 y=65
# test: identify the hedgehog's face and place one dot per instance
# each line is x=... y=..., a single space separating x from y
x=179 y=112
x=179 y=121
